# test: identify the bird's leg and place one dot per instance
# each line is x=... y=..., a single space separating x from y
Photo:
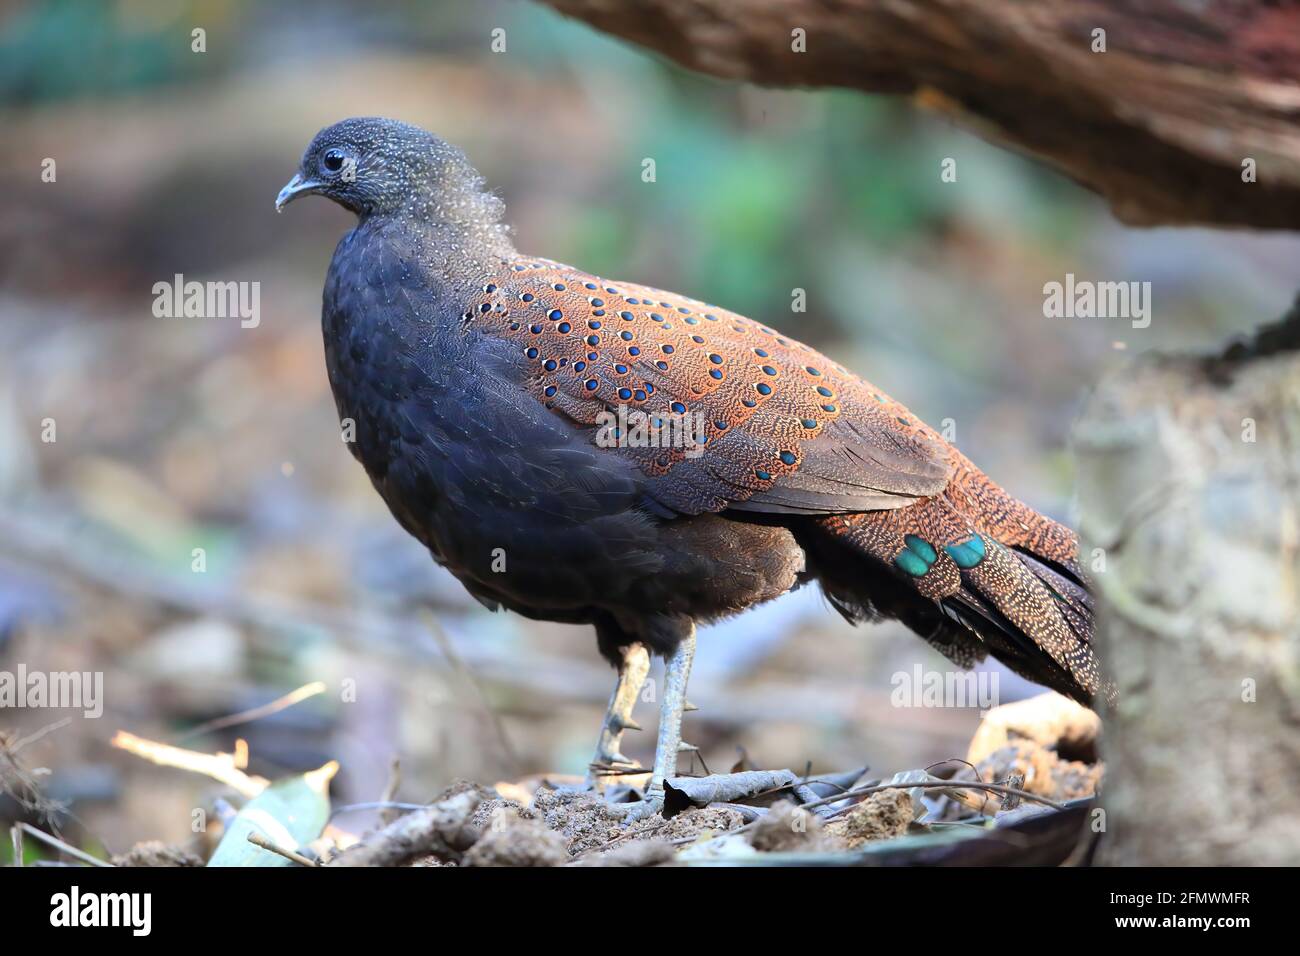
x=632 y=673
x=676 y=675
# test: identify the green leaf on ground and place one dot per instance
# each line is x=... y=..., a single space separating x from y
x=289 y=813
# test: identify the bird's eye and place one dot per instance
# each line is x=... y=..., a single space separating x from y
x=333 y=160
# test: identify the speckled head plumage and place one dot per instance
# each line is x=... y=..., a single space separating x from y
x=377 y=166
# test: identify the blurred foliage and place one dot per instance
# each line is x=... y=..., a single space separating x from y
x=175 y=435
x=72 y=48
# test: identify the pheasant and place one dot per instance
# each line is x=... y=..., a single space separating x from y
x=589 y=450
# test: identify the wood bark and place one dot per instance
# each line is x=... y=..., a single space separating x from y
x=1160 y=123
x=1189 y=476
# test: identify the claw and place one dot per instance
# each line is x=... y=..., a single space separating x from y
x=612 y=760
x=618 y=716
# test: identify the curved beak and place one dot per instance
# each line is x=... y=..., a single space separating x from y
x=294 y=188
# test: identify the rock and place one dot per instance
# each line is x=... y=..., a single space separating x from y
x=787 y=827
x=633 y=853
x=1048 y=719
x=512 y=840
x=881 y=816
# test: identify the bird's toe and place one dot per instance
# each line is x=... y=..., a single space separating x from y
x=651 y=805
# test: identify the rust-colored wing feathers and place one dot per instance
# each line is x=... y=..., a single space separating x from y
x=782 y=428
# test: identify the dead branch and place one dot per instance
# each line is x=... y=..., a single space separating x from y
x=1159 y=123
x=441 y=830
x=725 y=788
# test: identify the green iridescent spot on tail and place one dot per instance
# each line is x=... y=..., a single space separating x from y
x=921 y=548
x=968 y=553
x=917 y=557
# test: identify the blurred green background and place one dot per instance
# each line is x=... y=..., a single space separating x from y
x=176 y=434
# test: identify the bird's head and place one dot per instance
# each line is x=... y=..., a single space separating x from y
x=373 y=165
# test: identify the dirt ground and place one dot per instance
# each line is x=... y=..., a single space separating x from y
x=1036 y=769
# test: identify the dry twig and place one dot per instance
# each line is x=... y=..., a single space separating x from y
x=58 y=844
x=258 y=840
x=390 y=792
x=938 y=785
x=226 y=768
x=257 y=713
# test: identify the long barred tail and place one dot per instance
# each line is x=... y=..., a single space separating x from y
x=972 y=579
